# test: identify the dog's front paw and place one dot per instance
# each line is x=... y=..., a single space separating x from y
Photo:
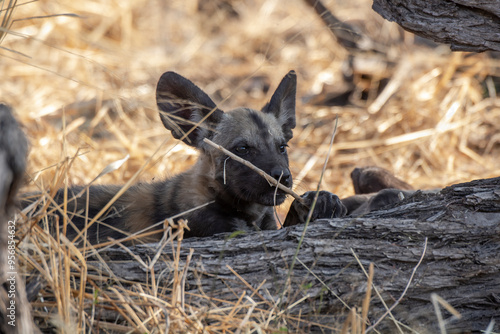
x=328 y=205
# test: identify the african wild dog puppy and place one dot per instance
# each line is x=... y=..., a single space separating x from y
x=239 y=199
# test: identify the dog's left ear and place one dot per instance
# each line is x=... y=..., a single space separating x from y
x=282 y=104
x=182 y=106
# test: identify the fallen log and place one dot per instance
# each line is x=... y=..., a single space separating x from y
x=455 y=234
x=466 y=25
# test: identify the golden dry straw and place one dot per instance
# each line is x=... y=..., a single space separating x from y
x=84 y=88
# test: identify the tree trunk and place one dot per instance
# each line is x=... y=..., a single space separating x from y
x=461 y=263
x=468 y=25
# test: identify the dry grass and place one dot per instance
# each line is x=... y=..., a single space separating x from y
x=83 y=87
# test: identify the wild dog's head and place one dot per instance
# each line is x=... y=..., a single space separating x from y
x=260 y=137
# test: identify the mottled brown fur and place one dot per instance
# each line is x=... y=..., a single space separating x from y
x=228 y=195
x=233 y=196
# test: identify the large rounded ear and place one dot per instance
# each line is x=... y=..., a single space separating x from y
x=182 y=106
x=282 y=104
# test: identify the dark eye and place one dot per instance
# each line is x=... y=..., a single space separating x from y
x=242 y=149
x=283 y=148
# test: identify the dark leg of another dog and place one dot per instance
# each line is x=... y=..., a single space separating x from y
x=15 y=313
x=375 y=188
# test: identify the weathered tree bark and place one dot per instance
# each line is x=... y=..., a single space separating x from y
x=460 y=264
x=467 y=25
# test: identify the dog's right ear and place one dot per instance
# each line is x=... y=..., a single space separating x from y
x=282 y=104
x=182 y=105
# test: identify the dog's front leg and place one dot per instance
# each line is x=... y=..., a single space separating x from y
x=328 y=205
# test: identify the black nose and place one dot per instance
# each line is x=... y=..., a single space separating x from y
x=286 y=177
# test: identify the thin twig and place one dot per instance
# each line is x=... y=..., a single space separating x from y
x=259 y=171
x=404 y=292
x=396 y=322
x=326 y=286
x=366 y=301
x=311 y=210
x=436 y=301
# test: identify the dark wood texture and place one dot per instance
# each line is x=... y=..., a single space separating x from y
x=461 y=263
x=467 y=25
